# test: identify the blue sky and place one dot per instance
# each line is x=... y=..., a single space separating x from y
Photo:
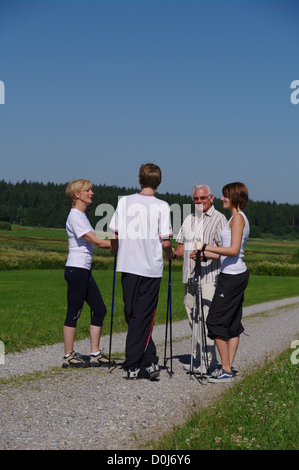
x=95 y=88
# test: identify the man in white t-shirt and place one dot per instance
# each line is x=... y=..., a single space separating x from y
x=142 y=228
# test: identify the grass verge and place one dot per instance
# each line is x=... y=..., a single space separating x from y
x=258 y=413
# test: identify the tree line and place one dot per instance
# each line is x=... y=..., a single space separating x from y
x=46 y=205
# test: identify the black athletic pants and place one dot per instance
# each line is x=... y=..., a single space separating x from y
x=81 y=287
x=140 y=296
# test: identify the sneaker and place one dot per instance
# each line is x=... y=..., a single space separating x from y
x=216 y=372
x=100 y=361
x=153 y=371
x=133 y=374
x=74 y=360
x=222 y=376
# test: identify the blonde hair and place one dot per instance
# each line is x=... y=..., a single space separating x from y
x=76 y=186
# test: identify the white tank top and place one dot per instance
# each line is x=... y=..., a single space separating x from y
x=234 y=264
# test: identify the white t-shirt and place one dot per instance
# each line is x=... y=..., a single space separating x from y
x=234 y=264
x=141 y=222
x=80 y=251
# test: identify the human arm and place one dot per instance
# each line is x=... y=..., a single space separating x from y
x=237 y=225
x=167 y=247
x=114 y=243
x=179 y=251
x=92 y=238
x=208 y=254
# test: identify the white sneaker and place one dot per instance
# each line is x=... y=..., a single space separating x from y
x=153 y=371
x=133 y=374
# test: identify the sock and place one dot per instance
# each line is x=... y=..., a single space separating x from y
x=95 y=353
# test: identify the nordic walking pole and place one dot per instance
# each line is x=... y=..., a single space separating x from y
x=168 y=315
x=193 y=323
x=196 y=306
x=166 y=329
x=202 y=335
x=198 y=276
x=112 y=308
x=166 y=326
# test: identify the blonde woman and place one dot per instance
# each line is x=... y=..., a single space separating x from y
x=81 y=284
x=225 y=314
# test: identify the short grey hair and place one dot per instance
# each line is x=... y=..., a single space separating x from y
x=201 y=186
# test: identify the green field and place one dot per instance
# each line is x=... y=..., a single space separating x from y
x=260 y=412
x=33 y=289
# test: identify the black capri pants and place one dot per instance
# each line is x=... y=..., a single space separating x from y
x=81 y=287
x=225 y=313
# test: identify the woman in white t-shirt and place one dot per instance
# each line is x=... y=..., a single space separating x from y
x=81 y=284
x=225 y=314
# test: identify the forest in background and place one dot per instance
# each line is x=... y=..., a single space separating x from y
x=36 y=204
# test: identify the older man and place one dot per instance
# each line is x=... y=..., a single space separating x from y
x=205 y=223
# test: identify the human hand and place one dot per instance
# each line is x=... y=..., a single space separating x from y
x=199 y=245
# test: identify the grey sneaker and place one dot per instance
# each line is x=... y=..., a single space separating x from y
x=100 y=360
x=74 y=360
x=153 y=371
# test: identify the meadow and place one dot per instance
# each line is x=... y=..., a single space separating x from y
x=33 y=289
x=260 y=412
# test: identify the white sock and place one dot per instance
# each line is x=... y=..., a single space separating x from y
x=95 y=353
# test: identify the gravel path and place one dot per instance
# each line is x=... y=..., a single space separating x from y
x=96 y=409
